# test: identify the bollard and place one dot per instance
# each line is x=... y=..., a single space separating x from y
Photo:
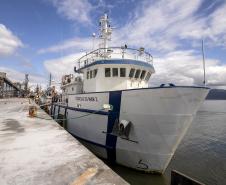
x=32 y=111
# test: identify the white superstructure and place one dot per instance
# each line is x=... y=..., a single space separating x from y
x=111 y=109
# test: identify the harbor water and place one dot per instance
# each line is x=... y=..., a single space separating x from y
x=201 y=154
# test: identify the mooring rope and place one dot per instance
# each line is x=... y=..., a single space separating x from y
x=73 y=117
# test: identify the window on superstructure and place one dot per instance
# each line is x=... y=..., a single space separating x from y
x=122 y=72
x=131 y=73
x=94 y=73
x=91 y=74
x=148 y=76
x=142 y=74
x=107 y=72
x=137 y=74
x=115 y=72
x=87 y=75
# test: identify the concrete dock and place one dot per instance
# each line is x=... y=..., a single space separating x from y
x=39 y=151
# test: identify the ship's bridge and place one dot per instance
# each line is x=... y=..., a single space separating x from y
x=115 y=68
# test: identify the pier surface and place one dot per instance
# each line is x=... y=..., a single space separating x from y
x=39 y=151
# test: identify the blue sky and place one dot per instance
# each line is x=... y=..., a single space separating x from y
x=43 y=36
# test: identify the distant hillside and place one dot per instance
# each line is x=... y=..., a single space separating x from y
x=216 y=94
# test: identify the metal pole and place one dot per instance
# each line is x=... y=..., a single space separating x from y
x=204 y=64
x=50 y=79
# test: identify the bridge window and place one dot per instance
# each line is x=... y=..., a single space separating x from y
x=87 y=75
x=131 y=73
x=94 y=73
x=115 y=72
x=107 y=72
x=137 y=74
x=148 y=76
x=142 y=74
x=122 y=72
x=91 y=74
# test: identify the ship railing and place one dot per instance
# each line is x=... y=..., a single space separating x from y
x=115 y=53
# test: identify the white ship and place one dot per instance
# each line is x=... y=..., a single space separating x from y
x=110 y=108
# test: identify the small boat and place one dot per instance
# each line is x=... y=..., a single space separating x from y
x=109 y=106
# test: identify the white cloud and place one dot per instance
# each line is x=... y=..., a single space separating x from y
x=217 y=26
x=73 y=44
x=186 y=68
x=163 y=26
x=8 y=41
x=75 y=10
x=61 y=66
x=158 y=25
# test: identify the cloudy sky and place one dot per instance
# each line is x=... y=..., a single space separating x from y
x=43 y=36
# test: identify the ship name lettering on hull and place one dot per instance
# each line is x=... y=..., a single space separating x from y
x=94 y=99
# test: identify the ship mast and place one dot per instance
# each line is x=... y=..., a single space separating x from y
x=105 y=33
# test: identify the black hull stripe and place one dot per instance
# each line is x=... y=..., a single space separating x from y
x=115 y=101
x=83 y=110
x=113 y=116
